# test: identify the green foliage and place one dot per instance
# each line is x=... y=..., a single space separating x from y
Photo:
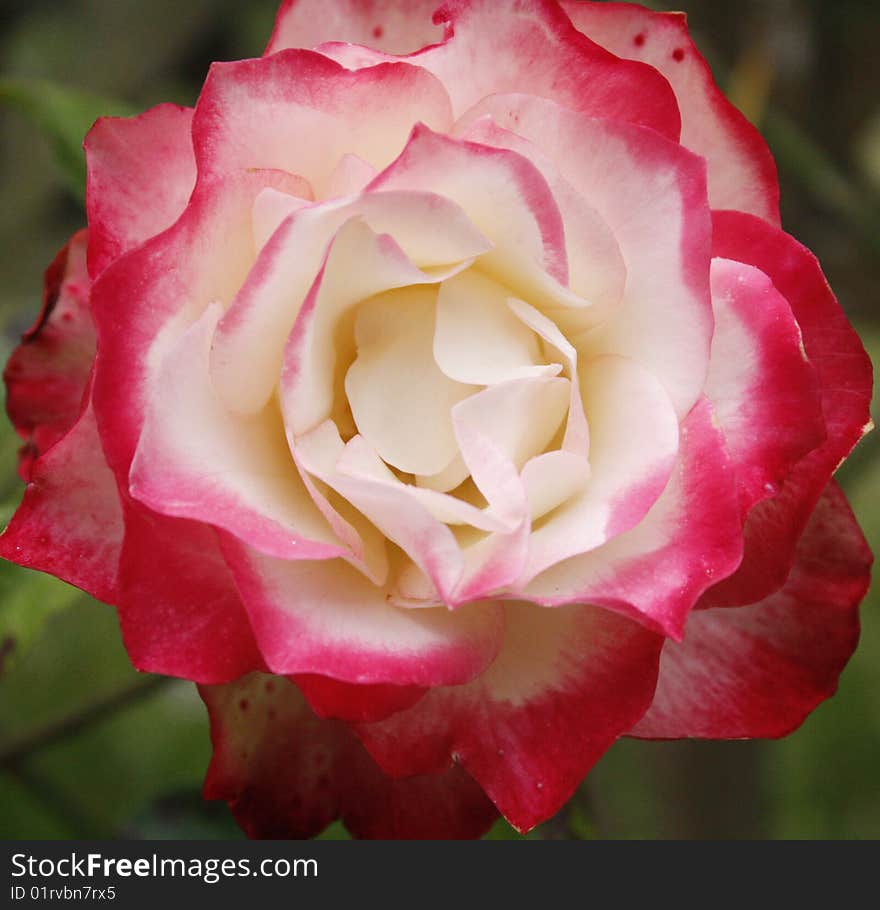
x=27 y=599
x=64 y=116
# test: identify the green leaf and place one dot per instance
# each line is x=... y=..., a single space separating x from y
x=26 y=600
x=64 y=115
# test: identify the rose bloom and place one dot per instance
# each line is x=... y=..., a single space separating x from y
x=447 y=402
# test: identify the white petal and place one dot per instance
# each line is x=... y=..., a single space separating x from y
x=478 y=340
x=400 y=399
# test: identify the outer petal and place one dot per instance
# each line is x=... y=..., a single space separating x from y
x=759 y=670
x=763 y=388
x=530 y=46
x=47 y=373
x=70 y=522
x=391 y=26
x=256 y=113
x=742 y=174
x=567 y=683
x=178 y=606
x=691 y=537
x=326 y=618
x=144 y=301
x=330 y=698
x=141 y=171
x=197 y=460
x=844 y=373
x=287 y=774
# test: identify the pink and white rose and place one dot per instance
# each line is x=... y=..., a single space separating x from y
x=442 y=395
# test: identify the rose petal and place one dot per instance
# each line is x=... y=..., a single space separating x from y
x=400 y=400
x=742 y=174
x=425 y=232
x=197 y=460
x=255 y=113
x=70 y=522
x=326 y=618
x=503 y=194
x=141 y=172
x=179 y=610
x=566 y=684
x=844 y=373
x=691 y=537
x=636 y=180
x=597 y=273
x=315 y=355
x=399 y=511
x=478 y=340
x=47 y=373
x=287 y=774
x=532 y=48
x=167 y=283
x=634 y=441
x=332 y=699
x=761 y=385
x=386 y=25
x=760 y=670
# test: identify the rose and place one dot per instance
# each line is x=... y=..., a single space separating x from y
x=444 y=408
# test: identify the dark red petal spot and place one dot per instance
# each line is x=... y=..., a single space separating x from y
x=378 y=31
x=639 y=39
x=243 y=704
x=678 y=54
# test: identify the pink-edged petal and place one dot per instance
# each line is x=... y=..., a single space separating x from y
x=760 y=670
x=597 y=273
x=366 y=545
x=331 y=699
x=761 y=385
x=742 y=174
x=166 y=284
x=844 y=373
x=325 y=617
x=287 y=774
x=566 y=684
x=634 y=440
x=197 y=460
x=141 y=172
x=393 y=507
x=532 y=47
x=424 y=231
x=70 y=521
x=255 y=113
x=491 y=449
x=691 y=538
x=637 y=181
x=391 y=26
x=179 y=609
x=400 y=399
x=47 y=373
x=504 y=195
x=359 y=461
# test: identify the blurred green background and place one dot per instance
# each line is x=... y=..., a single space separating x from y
x=88 y=748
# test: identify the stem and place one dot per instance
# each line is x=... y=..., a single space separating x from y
x=12 y=755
